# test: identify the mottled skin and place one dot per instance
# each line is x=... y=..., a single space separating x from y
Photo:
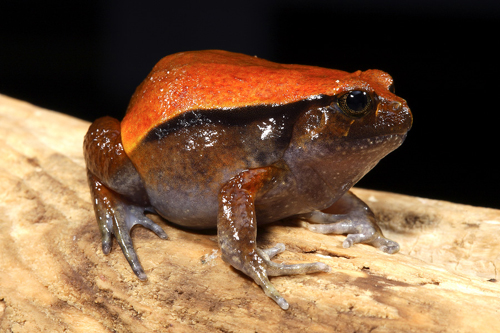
x=217 y=139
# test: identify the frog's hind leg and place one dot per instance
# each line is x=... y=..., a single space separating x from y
x=118 y=194
x=355 y=219
x=237 y=233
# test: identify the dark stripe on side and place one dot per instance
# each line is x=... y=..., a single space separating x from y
x=284 y=117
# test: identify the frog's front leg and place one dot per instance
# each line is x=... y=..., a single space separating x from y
x=354 y=219
x=118 y=194
x=237 y=233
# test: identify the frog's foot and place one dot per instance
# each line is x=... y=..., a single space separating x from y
x=116 y=217
x=358 y=223
x=358 y=230
x=259 y=267
x=237 y=232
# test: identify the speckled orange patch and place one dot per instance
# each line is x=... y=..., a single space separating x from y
x=202 y=80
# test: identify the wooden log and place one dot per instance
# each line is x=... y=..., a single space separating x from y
x=55 y=278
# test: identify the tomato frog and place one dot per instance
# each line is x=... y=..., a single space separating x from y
x=226 y=140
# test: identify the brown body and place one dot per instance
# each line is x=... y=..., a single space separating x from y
x=216 y=139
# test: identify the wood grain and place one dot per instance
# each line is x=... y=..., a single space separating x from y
x=55 y=278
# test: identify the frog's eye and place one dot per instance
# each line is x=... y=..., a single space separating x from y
x=391 y=88
x=355 y=103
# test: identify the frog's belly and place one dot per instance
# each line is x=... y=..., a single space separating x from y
x=191 y=209
x=198 y=210
x=196 y=205
x=186 y=191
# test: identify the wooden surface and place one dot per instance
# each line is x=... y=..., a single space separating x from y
x=55 y=278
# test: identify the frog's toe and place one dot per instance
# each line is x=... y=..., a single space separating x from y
x=271 y=292
x=279 y=269
x=105 y=222
x=380 y=242
x=273 y=251
x=352 y=239
x=125 y=241
x=385 y=245
x=135 y=215
x=106 y=245
x=275 y=296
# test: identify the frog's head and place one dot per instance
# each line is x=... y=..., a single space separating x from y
x=346 y=134
x=367 y=100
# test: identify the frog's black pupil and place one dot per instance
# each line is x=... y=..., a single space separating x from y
x=357 y=100
x=391 y=88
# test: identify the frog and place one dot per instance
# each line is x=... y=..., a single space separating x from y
x=217 y=139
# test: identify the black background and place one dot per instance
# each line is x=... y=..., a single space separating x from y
x=85 y=58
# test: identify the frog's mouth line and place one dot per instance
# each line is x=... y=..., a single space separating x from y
x=366 y=143
x=392 y=141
